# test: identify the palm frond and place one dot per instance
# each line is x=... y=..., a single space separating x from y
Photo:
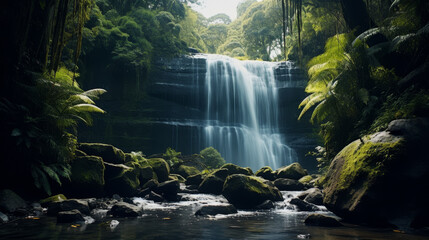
x=84 y=107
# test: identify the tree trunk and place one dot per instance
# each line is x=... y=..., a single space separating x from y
x=356 y=15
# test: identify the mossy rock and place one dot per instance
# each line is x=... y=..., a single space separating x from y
x=177 y=177
x=247 y=192
x=87 y=176
x=293 y=171
x=51 y=199
x=160 y=167
x=221 y=173
x=143 y=170
x=195 y=179
x=126 y=184
x=267 y=173
x=186 y=171
x=306 y=179
x=211 y=184
x=234 y=169
x=114 y=170
x=108 y=152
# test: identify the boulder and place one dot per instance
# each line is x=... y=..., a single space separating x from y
x=247 y=192
x=216 y=209
x=170 y=188
x=56 y=198
x=87 y=177
x=67 y=205
x=221 y=173
x=306 y=179
x=108 y=152
x=194 y=179
x=123 y=209
x=10 y=201
x=3 y=218
x=285 y=184
x=151 y=184
x=186 y=171
x=71 y=216
x=234 y=169
x=372 y=176
x=211 y=184
x=126 y=184
x=113 y=171
x=160 y=167
x=321 y=221
x=266 y=173
x=314 y=196
x=146 y=174
x=303 y=206
x=293 y=171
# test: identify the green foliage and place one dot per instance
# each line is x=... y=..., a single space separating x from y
x=212 y=158
x=172 y=157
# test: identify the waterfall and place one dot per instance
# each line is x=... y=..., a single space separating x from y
x=242 y=113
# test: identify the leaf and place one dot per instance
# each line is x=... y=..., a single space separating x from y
x=395 y=3
x=86 y=108
x=365 y=35
x=94 y=93
x=82 y=98
x=51 y=173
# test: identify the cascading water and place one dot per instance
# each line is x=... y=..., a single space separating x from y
x=242 y=113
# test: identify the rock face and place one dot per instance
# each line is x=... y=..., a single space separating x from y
x=321 y=221
x=369 y=179
x=87 y=178
x=293 y=171
x=10 y=201
x=247 y=192
x=108 y=152
x=216 y=209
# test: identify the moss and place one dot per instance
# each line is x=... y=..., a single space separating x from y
x=234 y=169
x=267 y=173
x=305 y=179
x=56 y=198
x=108 y=152
x=160 y=167
x=177 y=177
x=124 y=185
x=293 y=171
x=87 y=177
x=367 y=161
x=187 y=171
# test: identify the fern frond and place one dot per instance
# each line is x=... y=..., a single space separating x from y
x=84 y=107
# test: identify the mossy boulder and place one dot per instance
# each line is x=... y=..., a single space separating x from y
x=211 y=184
x=143 y=170
x=126 y=184
x=186 y=171
x=372 y=176
x=247 y=192
x=306 y=179
x=87 y=177
x=285 y=184
x=293 y=171
x=177 y=177
x=113 y=171
x=108 y=152
x=221 y=173
x=195 y=179
x=234 y=169
x=56 y=198
x=266 y=173
x=160 y=167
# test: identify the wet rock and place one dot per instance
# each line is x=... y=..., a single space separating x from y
x=108 y=152
x=211 y=184
x=155 y=197
x=314 y=196
x=322 y=221
x=160 y=167
x=234 y=169
x=142 y=193
x=306 y=179
x=177 y=177
x=268 y=204
x=216 y=209
x=68 y=205
x=70 y=216
x=3 y=218
x=247 y=192
x=266 y=173
x=126 y=184
x=285 y=184
x=171 y=187
x=87 y=178
x=304 y=236
x=303 y=206
x=123 y=209
x=194 y=179
x=56 y=198
x=221 y=173
x=10 y=201
x=293 y=171
x=99 y=214
x=113 y=171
